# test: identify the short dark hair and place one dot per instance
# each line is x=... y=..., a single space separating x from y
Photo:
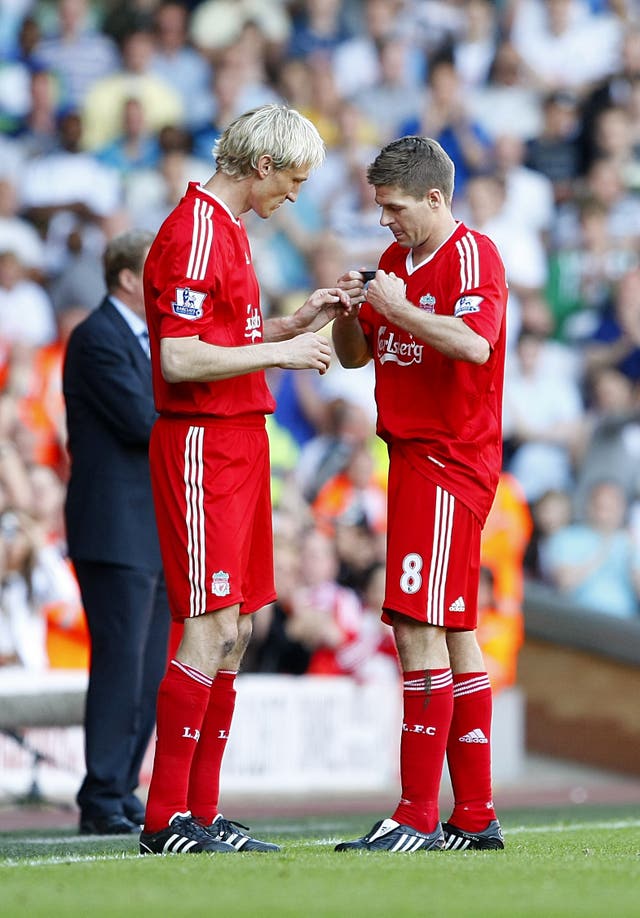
x=127 y=250
x=414 y=164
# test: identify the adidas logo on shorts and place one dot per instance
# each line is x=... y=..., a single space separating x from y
x=458 y=605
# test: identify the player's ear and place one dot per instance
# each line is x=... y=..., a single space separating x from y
x=265 y=165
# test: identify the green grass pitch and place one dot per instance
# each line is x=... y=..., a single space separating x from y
x=582 y=862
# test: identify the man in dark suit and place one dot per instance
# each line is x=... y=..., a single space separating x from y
x=112 y=538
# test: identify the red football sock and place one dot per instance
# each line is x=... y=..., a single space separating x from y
x=428 y=702
x=182 y=701
x=469 y=752
x=204 y=782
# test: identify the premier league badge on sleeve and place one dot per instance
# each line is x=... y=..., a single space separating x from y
x=188 y=303
x=466 y=305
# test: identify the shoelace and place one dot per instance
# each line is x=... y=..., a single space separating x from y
x=224 y=825
x=193 y=827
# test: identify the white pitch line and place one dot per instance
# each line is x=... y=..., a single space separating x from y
x=574 y=827
x=66 y=859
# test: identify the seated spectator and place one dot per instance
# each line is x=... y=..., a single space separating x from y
x=215 y=24
x=17 y=235
x=551 y=512
x=67 y=636
x=529 y=195
x=152 y=194
x=26 y=313
x=327 y=453
x=65 y=185
x=372 y=657
x=272 y=650
x=179 y=64
x=325 y=617
x=102 y=108
x=357 y=145
x=446 y=116
x=319 y=27
x=226 y=89
x=135 y=147
x=324 y=100
x=616 y=340
x=500 y=634
x=614 y=138
x=357 y=61
x=353 y=496
x=475 y=49
x=247 y=57
x=353 y=217
x=396 y=98
x=596 y=564
x=582 y=278
x=542 y=420
x=36 y=133
x=604 y=182
x=360 y=549
x=507 y=98
x=565 y=44
x=15 y=73
x=434 y=26
x=520 y=246
x=554 y=150
x=616 y=88
x=32 y=576
x=76 y=52
x=611 y=443
x=34 y=432
x=80 y=283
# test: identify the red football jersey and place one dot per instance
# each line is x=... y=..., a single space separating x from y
x=199 y=280
x=450 y=410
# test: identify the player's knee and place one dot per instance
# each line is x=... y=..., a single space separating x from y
x=228 y=641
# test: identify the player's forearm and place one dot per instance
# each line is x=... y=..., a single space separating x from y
x=279 y=328
x=192 y=360
x=446 y=334
x=350 y=343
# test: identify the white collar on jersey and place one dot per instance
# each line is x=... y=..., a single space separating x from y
x=409 y=263
x=219 y=201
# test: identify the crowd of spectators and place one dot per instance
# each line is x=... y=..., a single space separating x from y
x=108 y=109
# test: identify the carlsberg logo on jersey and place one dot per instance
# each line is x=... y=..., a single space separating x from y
x=188 y=303
x=397 y=350
x=253 y=328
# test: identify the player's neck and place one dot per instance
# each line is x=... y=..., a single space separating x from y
x=439 y=234
x=232 y=190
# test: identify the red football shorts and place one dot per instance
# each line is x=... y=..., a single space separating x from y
x=212 y=496
x=433 y=551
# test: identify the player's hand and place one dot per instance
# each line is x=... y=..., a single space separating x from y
x=320 y=308
x=306 y=352
x=387 y=293
x=352 y=283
